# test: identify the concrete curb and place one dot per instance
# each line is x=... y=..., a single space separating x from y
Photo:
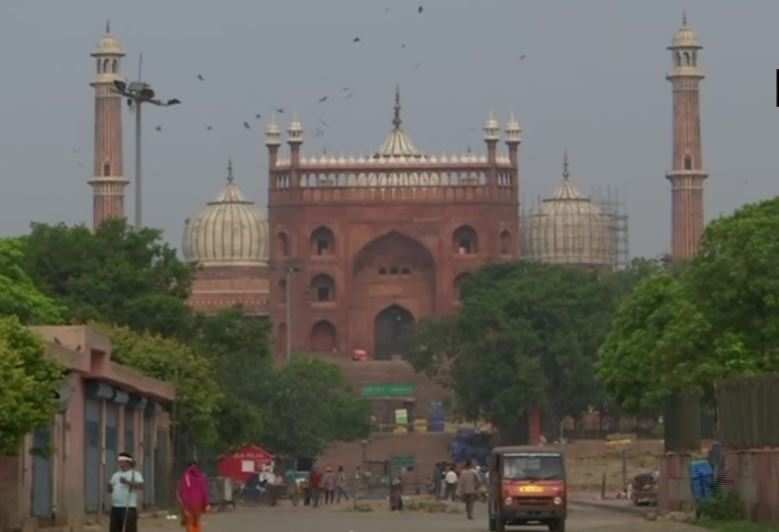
x=627 y=509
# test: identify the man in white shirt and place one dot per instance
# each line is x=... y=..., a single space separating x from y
x=124 y=487
x=450 y=480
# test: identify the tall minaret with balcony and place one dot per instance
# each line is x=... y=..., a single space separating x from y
x=687 y=174
x=107 y=181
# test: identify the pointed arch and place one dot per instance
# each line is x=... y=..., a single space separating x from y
x=323 y=288
x=323 y=337
x=322 y=241
x=465 y=241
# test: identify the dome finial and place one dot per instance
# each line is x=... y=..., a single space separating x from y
x=108 y=25
x=684 y=17
x=396 y=121
x=230 y=177
x=566 y=174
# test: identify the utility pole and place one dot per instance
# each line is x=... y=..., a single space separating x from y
x=138 y=93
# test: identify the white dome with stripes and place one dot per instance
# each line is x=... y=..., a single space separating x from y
x=229 y=231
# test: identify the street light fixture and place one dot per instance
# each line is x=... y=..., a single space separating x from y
x=138 y=93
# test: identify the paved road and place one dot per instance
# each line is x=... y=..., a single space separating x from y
x=303 y=519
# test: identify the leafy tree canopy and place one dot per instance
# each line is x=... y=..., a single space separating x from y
x=309 y=406
x=18 y=294
x=716 y=318
x=116 y=274
x=526 y=334
x=239 y=350
x=29 y=384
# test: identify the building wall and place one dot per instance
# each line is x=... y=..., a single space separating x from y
x=418 y=236
x=216 y=288
x=86 y=356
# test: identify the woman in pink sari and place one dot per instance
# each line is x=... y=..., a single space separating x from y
x=193 y=497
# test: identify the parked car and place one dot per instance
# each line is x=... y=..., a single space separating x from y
x=643 y=488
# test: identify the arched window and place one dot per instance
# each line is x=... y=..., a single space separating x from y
x=323 y=288
x=459 y=282
x=115 y=66
x=694 y=59
x=105 y=65
x=322 y=242
x=99 y=70
x=505 y=242
x=687 y=59
x=465 y=241
x=282 y=244
x=283 y=290
x=107 y=169
x=678 y=57
x=323 y=337
x=687 y=162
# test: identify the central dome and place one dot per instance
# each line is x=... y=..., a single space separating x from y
x=229 y=231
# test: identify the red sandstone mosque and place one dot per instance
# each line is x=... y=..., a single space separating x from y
x=354 y=250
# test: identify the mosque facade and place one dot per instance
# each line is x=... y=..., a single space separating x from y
x=355 y=250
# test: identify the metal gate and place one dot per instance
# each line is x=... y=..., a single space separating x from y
x=92 y=456
x=393 y=328
x=41 y=473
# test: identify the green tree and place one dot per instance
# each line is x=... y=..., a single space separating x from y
x=309 y=406
x=715 y=318
x=197 y=390
x=116 y=274
x=527 y=334
x=29 y=384
x=239 y=350
x=18 y=294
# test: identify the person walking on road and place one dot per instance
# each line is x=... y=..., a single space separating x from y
x=293 y=491
x=450 y=480
x=192 y=495
x=328 y=484
x=315 y=485
x=468 y=486
x=340 y=484
x=124 y=487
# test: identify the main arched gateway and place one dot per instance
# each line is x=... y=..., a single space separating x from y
x=393 y=328
x=394 y=281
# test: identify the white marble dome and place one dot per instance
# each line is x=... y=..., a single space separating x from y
x=229 y=231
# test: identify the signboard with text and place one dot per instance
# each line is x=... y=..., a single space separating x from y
x=388 y=390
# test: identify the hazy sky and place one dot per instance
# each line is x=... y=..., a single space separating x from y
x=592 y=80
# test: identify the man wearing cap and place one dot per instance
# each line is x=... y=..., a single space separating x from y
x=124 y=487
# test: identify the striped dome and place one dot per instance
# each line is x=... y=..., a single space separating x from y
x=229 y=231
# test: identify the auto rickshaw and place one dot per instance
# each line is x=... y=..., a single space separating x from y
x=527 y=487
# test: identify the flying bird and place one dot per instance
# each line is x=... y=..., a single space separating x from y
x=209 y=128
x=246 y=125
x=356 y=39
x=200 y=77
x=403 y=45
x=522 y=57
x=258 y=116
x=323 y=99
x=158 y=128
x=280 y=110
x=420 y=9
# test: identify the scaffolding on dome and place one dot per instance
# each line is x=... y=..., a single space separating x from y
x=573 y=229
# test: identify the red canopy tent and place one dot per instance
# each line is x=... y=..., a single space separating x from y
x=243 y=463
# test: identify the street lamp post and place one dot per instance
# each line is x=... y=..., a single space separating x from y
x=138 y=93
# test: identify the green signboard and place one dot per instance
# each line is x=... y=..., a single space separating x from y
x=388 y=390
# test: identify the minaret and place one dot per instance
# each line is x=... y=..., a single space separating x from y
x=108 y=182
x=687 y=173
